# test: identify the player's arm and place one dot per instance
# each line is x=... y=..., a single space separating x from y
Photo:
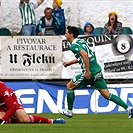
x=7 y=98
x=87 y=63
x=40 y=2
x=70 y=63
x=11 y=108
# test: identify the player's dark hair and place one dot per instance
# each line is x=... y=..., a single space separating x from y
x=73 y=30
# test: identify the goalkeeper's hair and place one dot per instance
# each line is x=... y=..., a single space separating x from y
x=73 y=30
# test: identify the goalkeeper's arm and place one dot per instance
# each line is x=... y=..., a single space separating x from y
x=2 y=122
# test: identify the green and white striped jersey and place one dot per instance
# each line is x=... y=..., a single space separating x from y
x=79 y=44
x=28 y=12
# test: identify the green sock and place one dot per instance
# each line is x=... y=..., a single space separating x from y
x=70 y=99
x=118 y=101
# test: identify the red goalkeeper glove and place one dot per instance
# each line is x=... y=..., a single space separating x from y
x=2 y=121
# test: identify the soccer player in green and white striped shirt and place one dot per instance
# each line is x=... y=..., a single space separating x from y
x=27 y=10
x=91 y=73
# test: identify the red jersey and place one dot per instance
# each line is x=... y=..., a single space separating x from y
x=9 y=100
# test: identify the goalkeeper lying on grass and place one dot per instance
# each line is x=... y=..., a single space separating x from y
x=12 y=111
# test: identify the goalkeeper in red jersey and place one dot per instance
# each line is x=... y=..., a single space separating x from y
x=12 y=111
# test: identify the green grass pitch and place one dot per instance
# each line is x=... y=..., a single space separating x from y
x=79 y=123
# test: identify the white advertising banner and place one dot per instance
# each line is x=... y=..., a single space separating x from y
x=116 y=57
x=42 y=97
x=41 y=57
x=31 y=57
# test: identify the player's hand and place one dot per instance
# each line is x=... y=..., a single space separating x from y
x=87 y=75
x=2 y=122
x=65 y=64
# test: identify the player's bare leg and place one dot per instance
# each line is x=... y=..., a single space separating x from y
x=23 y=117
